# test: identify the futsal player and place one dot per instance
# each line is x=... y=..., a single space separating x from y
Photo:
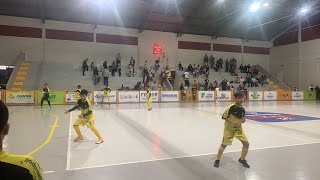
x=85 y=118
x=106 y=94
x=234 y=117
x=149 y=99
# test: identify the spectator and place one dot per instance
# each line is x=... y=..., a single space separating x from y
x=132 y=62
x=311 y=87
x=130 y=67
x=205 y=59
x=224 y=85
x=96 y=77
x=105 y=65
x=114 y=68
x=157 y=64
x=227 y=65
x=211 y=61
x=186 y=79
x=105 y=77
x=241 y=68
x=92 y=66
x=294 y=89
x=118 y=60
x=180 y=66
x=85 y=66
x=119 y=71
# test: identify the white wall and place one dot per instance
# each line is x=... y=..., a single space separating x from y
x=286 y=58
x=50 y=50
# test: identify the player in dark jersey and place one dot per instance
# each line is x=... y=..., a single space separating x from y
x=15 y=167
x=234 y=117
x=45 y=92
x=86 y=117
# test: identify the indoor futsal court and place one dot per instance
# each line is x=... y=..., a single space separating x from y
x=174 y=141
x=159 y=89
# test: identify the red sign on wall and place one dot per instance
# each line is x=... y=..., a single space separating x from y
x=157 y=49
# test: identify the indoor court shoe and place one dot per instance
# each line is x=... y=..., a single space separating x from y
x=99 y=141
x=244 y=163
x=216 y=163
x=78 y=139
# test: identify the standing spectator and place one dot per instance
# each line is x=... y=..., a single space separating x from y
x=85 y=66
x=205 y=59
x=132 y=62
x=113 y=68
x=294 y=89
x=119 y=71
x=96 y=76
x=241 y=68
x=186 y=79
x=211 y=62
x=157 y=64
x=227 y=65
x=180 y=66
x=105 y=77
x=118 y=59
x=92 y=66
x=105 y=65
x=130 y=67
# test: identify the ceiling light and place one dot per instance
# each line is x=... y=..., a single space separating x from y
x=220 y=1
x=266 y=4
x=254 y=7
x=304 y=10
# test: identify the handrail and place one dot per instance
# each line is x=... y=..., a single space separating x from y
x=281 y=84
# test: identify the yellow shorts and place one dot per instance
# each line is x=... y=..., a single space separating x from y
x=149 y=101
x=229 y=135
x=85 y=121
x=106 y=95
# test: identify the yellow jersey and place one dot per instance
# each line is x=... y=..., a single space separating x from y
x=86 y=108
x=236 y=114
x=17 y=167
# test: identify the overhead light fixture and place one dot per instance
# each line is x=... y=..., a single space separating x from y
x=220 y=1
x=266 y=4
x=304 y=10
x=254 y=7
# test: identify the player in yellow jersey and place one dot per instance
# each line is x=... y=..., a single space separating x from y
x=234 y=117
x=78 y=92
x=86 y=117
x=15 y=167
x=106 y=94
x=149 y=99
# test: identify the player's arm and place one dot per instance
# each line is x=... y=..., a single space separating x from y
x=34 y=168
x=243 y=120
x=72 y=109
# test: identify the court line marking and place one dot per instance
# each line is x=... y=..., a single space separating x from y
x=53 y=128
x=181 y=157
x=47 y=172
x=69 y=140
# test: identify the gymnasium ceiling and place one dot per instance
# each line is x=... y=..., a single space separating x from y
x=230 y=18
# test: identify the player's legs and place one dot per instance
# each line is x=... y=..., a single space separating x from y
x=79 y=122
x=102 y=99
x=42 y=99
x=48 y=102
x=227 y=140
x=90 y=124
x=108 y=98
x=245 y=148
x=149 y=104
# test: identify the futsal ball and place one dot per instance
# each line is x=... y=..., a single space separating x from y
x=96 y=104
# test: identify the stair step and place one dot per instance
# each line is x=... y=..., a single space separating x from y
x=24 y=68
x=20 y=78
x=16 y=89
x=22 y=73
x=18 y=83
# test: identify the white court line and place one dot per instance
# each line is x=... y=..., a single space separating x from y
x=69 y=140
x=47 y=172
x=181 y=157
x=276 y=133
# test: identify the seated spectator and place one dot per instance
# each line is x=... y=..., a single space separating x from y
x=294 y=89
x=311 y=87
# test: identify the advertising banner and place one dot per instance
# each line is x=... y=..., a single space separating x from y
x=154 y=96
x=71 y=96
x=224 y=96
x=284 y=95
x=128 y=96
x=297 y=95
x=21 y=97
x=205 y=95
x=255 y=96
x=97 y=97
x=169 y=96
x=55 y=97
x=270 y=95
x=309 y=95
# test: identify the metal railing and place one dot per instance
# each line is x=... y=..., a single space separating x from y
x=271 y=77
